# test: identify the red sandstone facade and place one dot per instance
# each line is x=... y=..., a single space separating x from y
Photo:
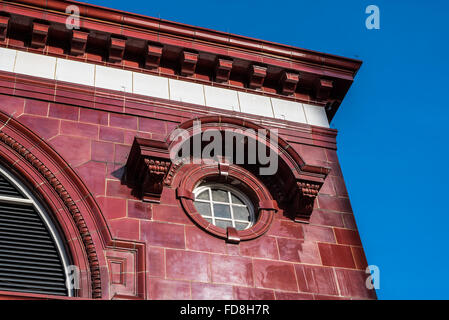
x=131 y=228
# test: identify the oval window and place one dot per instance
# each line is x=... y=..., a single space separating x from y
x=224 y=206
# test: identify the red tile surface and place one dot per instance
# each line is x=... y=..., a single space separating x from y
x=340 y=187
x=231 y=270
x=125 y=228
x=275 y=275
x=75 y=150
x=200 y=240
x=349 y=221
x=139 y=209
x=298 y=251
x=345 y=236
x=293 y=296
x=207 y=291
x=245 y=293
x=121 y=153
x=94 y=176
x=315 y=279
x=71 y=128
x=336 y=255
x=122 y=121
x=152 y=125
x=168 y=289
x=12 y=105
x=324 y=297
x=263 y=247
x=156 y=262
x=102 y=151
x=359 y=258
x=115 y=188
x=170 y=214
x=44 y=127
x=112 y=208
x=319 y=233
x=327 y=218
x=162 y=234
x=286 y=228
x=352 y=284
x=36 y=107
x=63 y=112
x=111 y=134
x=187 y=265
x=334 y=203
x=94 y=116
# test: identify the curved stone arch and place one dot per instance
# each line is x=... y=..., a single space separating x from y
x=63 y=193
x=60 y=189
x=294 y=175
x=295 y=184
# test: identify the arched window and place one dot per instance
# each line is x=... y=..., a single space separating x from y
x=32 y=254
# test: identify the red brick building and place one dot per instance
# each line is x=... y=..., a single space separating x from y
x=87 y=179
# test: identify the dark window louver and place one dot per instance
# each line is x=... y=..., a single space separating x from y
x=29 y=257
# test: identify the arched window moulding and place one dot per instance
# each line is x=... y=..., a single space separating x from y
x=75 y=210
x=294 y=186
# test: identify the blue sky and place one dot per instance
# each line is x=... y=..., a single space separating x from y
x=392 y=141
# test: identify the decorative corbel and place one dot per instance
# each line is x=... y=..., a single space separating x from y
x=39 y=35
x=324 y=89
x=188 y=63
x=153 y=57
x=288 y=82
x=305 y=190
x=4 y=21
x=147 y=166
x=116 y=49
x=257 y=76
x=78 y=43
x=223 y=70
x=308 y=191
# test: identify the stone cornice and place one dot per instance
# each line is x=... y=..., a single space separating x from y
x=131 y=40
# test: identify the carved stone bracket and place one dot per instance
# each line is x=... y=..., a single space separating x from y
x=3 y=27
x=223 y=70
x=147 y=167
x=153 y=57
x=257 y=76
x=116 y=49
x=324 y=89
x=78 y=43
x=288 y=82
x=304 y=197
x=188 y=63
x=39 y=35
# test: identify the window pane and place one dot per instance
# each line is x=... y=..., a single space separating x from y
x=241 y=213
x=236 y=200
x=222 y=211
x=241 y=225
x=220 y=195
x=223 y=224
x=203 y=208
x=203 y=195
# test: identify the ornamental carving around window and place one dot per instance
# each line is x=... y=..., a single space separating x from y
x=230 y=194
